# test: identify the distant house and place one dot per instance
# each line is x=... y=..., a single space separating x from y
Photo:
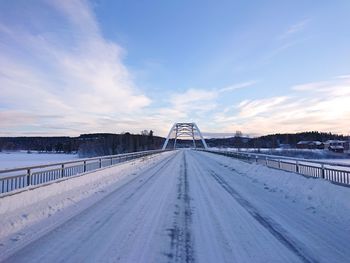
x=337 y=146
x=310 y=145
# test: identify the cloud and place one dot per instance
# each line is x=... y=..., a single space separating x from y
x=287 y=40
x=188 y=106
x=238 y=86
x=200 y=98
x=66 y=69
x=343 y=77
x=252 y=108
x=193 y=99
x=195 y=104
x=311 y=106
x=294 y=29
x=60 y=76
x=311 y=86
x=7 y=117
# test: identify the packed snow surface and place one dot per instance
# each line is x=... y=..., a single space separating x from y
x=180 y=206
x=20 y=159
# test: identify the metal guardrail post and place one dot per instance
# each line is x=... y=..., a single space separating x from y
x=297 y=167
x=62 y=170
x=84 y=166
x=279 y=164
x=322 y=171
x=29 y=174
x=100 y=163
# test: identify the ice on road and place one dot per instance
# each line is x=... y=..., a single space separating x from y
x=191 y=206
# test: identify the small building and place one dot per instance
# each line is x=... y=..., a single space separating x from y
x=310 y=145
x=337 y=146
x=303 y=145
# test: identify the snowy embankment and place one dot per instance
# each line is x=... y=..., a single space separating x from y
x=314 y=193
x=26 y=208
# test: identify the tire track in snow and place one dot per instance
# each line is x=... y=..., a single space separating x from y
x=220 y=244
x=267 y=223
x=181 y=242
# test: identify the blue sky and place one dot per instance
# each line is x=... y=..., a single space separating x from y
x=71 y=67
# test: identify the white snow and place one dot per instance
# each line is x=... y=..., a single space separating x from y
x=28 y=207
x=341 y=161
x=315 y=154
x=181 y=206
x=21 y=159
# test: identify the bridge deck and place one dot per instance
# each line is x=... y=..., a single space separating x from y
x=191 y=207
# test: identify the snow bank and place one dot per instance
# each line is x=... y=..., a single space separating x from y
x=316 y=193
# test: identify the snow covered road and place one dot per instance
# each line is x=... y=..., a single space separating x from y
x=190 y=206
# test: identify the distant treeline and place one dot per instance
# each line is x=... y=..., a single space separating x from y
x=267 y=141
x=274 y=140
x=97 y=144
x=86 y=145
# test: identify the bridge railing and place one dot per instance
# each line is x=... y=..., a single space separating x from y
x=17 y=178
x=335 y=172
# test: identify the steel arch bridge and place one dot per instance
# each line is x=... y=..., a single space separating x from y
x=184 y=129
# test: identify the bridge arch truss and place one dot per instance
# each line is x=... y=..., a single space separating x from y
x=184 y=130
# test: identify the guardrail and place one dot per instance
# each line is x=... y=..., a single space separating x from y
x=17 y=178
x=334 y=172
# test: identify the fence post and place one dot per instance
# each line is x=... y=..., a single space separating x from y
x=84 y=166
x=100 y=162
x=279 y=164
x=29 y=174
x=322 y=171
x=62 y=170
x=266 y=162
x=111 y=161
x=297 y=167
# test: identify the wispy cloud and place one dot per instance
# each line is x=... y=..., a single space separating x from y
x=295 y=28
x=313 y=86
x=197 y=104
x=252 y=108
x=82 y=81
x=238 y=86
x=310 y=106
x=343 y=77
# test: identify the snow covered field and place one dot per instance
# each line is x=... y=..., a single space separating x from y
x=20 y=159
x=342 y=161
x=315 y=154
x=181 y=206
